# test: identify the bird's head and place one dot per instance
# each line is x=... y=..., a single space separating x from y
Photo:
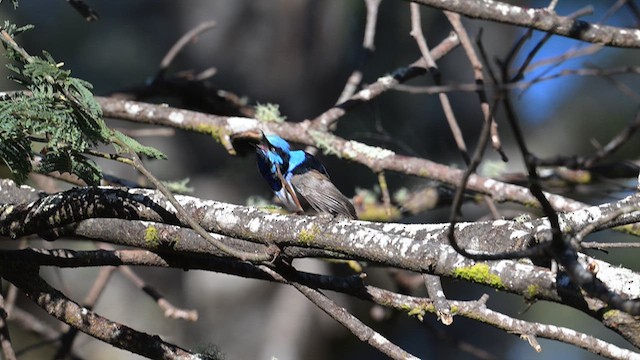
x=274 y=149
x=246 y=142
x=270 y=148
x=275 y=143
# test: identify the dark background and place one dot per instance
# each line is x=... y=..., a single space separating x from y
x=298 y=54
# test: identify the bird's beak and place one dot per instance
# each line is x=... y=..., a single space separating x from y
x=262 y=147
x=246 y=142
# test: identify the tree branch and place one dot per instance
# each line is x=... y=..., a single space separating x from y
x=540 y=19
x=5 y=339
x=420 y=248
x=352 y=285
x=376 y=158
x=341 y=315
x=69 y=312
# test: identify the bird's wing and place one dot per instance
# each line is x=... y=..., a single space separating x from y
x=321 y=194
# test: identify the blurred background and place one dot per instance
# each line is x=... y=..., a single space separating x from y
x=299 y=54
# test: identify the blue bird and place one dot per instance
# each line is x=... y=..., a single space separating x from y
x=296 y=176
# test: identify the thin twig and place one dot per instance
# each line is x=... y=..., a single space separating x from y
x=568 y=55
x=465 y=42
x=624 y=88
x=340 y=314
x=614 y=144
x=181 y=43
x=383 y=84
x=468 y=87
x=5 y=339
x=268 y=255
x=519 y=74
x=170 y=311
x=90 y=301
x=384 y=189
x=416 y=32
x=457 y=200
x=436 y=294
x=9 y=40
x=355 y=78
x=110 y=156
x=59 y=306
x=488 y=116
x=612 y=245
x=591 y=227
x=367 y=48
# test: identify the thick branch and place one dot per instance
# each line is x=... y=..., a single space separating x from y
x=77 y=204
x=420 y=248
x=540 y=19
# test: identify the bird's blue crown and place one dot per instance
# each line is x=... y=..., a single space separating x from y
x=278 y=142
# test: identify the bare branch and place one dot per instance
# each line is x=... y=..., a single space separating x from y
x=348 y=285
x=436 y=294
x=341 y=315
x=169 y=309
x=368 y=47
x=190 y=36
x=416 y=32
x=410 y=244
x=540 y=19
x=62 y=308
x=383 y=84
x=5 y=339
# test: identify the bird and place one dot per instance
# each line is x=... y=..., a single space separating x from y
x=297 y=177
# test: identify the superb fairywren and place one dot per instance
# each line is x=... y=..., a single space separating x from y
x=296 y=176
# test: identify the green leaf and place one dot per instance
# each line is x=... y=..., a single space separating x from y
x=16 y=153
x=87 y=170
x=13 y=29
x=72 y=163
x=134 y=145
x=60 y=113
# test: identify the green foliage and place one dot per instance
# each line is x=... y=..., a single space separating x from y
x=14 y=151
x=122 y=142
x=58 y=113
x=71 y=162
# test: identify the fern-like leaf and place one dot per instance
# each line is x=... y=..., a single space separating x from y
x=133 y=145
x=16 y=154
x=60 y=112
